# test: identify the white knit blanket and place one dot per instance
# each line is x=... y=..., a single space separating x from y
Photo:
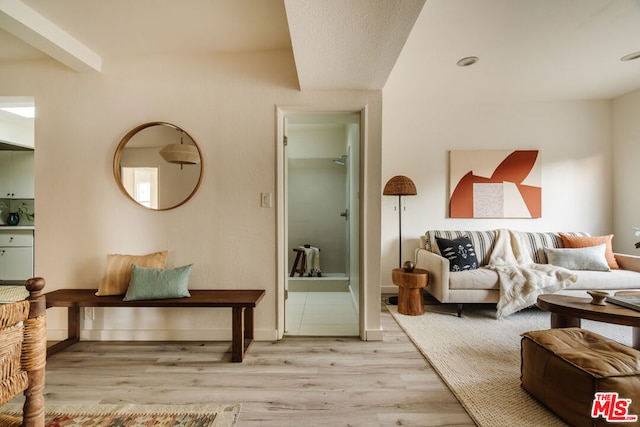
x=522 y=280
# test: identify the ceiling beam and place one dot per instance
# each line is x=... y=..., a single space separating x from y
x=28 y=25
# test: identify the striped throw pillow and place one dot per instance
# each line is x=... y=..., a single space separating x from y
x=537 y=241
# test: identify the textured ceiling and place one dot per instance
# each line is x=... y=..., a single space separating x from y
x=348 y=44
x=528 y=49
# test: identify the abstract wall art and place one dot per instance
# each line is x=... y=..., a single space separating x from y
x=495 y=184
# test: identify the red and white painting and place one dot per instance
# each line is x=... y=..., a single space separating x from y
x=495 y=184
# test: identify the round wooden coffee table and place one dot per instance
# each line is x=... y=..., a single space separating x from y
x=567 y=311
x=410 y=285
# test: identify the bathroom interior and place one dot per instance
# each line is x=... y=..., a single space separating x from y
x=322 y=177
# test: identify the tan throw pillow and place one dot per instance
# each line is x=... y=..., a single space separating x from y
x=585 y=242
x=117 y=273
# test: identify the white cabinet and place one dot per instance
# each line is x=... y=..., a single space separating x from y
x=17 y=175
x=6 y=185
x=16 y=255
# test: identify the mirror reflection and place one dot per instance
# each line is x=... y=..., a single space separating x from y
x=158 y=165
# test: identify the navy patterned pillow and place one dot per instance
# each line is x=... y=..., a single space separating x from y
x=460 y=253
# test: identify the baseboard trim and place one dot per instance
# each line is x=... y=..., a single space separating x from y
x=373 y=334
x=158 y=335
x=389 y=290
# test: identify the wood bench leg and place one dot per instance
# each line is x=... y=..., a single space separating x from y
x=242 y=331
x=301 y=255
x=237 y=339
x=295 y=264
x=248 y=326
x=73 y=334
x=73 y=323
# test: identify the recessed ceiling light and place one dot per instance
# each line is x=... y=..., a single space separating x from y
x=631 y=56
x=465 y=62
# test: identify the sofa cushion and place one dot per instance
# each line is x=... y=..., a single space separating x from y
x=537 y=241
x=460 y=253
x=605 y=280
x=589 y=258
x=483 y=278
x=482 y=241
x=487 y=279
x=587 y=241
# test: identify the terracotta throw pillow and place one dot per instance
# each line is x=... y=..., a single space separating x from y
x=117 y=273
x=585 y=242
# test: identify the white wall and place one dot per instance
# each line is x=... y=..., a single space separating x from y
x=626 y=174
x=227 y=103
x=573 y=139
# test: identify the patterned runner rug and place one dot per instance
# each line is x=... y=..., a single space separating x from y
x=478 y=357
x=125 y=415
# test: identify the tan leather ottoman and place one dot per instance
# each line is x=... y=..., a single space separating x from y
x=565 y=368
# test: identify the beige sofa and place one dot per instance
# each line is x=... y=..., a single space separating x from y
x=481 y=285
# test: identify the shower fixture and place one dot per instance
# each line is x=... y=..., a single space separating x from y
x=341 y=161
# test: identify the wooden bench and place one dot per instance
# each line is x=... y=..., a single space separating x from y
x=241 y=301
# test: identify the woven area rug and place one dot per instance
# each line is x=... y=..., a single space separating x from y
x=478 y=357
x=202 y=415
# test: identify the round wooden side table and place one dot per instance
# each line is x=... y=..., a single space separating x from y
x=410 y=287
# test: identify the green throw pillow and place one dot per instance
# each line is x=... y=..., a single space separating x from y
x=158 y=283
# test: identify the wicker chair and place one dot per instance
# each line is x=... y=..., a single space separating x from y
x=23 y=351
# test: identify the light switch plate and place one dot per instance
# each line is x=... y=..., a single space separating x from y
x=265 y=200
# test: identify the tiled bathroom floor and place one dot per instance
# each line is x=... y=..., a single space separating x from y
x=321 y=314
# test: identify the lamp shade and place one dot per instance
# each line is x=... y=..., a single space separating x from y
x=400 y=185
x=180 y=153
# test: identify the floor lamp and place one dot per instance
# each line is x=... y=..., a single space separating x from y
x=399 y=186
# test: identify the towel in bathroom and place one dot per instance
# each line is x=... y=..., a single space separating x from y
x=312 y=267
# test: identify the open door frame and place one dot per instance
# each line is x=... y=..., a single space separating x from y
x=281 y=213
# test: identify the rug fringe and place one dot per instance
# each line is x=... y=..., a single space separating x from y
x=226 y=413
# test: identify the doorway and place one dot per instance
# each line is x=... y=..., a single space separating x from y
x=320 y=218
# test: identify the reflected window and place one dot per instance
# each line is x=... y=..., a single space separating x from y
x=142 y=184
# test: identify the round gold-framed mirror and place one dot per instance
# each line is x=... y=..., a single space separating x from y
x=158 y=165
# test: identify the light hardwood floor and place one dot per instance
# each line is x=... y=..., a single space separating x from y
x=314 y=381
